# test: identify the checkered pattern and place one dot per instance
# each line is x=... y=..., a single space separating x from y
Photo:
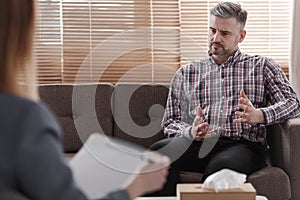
x=216 y=88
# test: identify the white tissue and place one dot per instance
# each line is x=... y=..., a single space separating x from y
x=224 y=179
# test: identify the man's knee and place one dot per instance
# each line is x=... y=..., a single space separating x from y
x=159 y=144
x=227 y=162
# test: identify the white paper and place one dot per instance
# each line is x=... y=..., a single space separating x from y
x=224 y=179
x=103 y=164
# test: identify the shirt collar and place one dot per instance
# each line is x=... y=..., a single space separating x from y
x=232 y=58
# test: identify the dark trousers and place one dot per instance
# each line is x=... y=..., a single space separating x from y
x=241 y=156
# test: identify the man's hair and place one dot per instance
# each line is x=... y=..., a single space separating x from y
x=230 y=9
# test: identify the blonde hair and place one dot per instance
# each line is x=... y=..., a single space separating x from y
x=16 y=37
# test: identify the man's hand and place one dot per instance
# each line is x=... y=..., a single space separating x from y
x=199 y=128
x=249 y=113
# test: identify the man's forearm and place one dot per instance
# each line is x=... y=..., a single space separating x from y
x=280 y=112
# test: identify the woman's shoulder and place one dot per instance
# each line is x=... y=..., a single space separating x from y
x=26 y=113
x=11 y=103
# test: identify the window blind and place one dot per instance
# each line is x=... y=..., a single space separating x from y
x=268 y=30
x=48 y=42
x=143 y=40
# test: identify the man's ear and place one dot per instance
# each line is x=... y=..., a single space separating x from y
x=242 y=35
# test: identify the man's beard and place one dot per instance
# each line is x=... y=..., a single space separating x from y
x=217 y=52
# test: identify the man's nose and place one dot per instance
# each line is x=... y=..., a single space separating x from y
x=216 y=37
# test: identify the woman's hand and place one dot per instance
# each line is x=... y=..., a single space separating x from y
x=151 y=177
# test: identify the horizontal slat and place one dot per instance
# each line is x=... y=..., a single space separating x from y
x=69 y=30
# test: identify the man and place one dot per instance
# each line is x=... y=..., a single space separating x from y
x=219 y=106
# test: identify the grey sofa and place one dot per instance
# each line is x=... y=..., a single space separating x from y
x=140 y=106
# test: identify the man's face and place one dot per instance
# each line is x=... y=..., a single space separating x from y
x=224 y=36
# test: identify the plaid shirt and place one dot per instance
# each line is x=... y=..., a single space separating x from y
x=216 y=88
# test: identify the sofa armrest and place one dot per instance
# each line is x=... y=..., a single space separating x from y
x=284 y=140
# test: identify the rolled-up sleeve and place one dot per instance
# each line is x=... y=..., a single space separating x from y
x=172 y=122
x=281 y=95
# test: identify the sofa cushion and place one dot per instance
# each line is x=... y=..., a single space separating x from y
x=138 y=111
x=59 y=98
x=190 y=177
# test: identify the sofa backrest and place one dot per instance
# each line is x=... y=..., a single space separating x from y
x=137 y=119
x=60 y=99
x=138 y=110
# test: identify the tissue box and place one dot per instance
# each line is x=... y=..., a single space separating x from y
x=196 y=192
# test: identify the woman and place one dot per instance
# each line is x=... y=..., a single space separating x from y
x=31 y=158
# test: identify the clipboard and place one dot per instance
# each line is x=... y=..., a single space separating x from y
x=104 y=164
